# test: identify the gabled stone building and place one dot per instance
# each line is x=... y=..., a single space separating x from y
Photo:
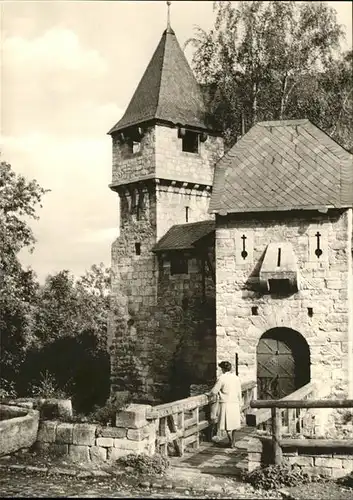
x=259 y=271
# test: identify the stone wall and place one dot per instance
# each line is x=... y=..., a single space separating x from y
x=326 y=287
x=328 y=462
x=91 y=442
x=128 y=167
x=175 y=164
x=172 y=203
x=186 y=317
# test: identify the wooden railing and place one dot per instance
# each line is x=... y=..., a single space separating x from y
x=292 y=420
x=181 y=422
x=289 y=405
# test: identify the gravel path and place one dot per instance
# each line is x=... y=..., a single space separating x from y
x=21 y=483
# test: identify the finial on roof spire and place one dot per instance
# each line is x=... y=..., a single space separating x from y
x=168 y=15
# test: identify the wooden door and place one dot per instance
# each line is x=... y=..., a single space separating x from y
x=275 y=368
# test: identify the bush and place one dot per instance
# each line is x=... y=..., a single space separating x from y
x=47 y=387
x=144 y=464
x=105 y=415
x=346 y=481
x=277 y=476
x=347 y=417
x=78 y=366
x=7 y=389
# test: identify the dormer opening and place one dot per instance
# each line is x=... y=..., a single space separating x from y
x=179 y=264
x=189 y=141
x=131 y=140
x=135 y=146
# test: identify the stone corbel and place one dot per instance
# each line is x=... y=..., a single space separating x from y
x=203 y=137
x=158 y=188
x=181 y=132
x=121 y=137
x=141 y=197
x=183 y=188
x=133 y=198
x=125 y=201
x=169 y=190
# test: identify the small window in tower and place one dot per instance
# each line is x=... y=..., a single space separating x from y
x=136 y=147
x=187 y=211
x=190 y=142
x=255 y=311
x=179 y=264
x=138 y=248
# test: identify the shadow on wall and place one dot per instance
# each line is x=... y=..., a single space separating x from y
x=80 y=368
x=194 y=360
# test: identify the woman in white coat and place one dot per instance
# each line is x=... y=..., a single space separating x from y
x=228 y=391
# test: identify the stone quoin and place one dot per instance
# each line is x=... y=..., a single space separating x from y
x=245 y=254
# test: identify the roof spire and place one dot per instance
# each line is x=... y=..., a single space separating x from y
x=168 y=15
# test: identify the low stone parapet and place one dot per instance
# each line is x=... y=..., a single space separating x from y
x=91 y=442
x=49 y=408
x=334 y=460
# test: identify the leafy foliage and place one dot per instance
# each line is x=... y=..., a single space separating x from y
x=18 y=287
x=7 y=389
x=275 y=60
x=144 y=464
x=106 y=414
x=346 y=481
x=70 y=331
x=277 y=476
x=68 y=307
x=53 y=337
x=47 y=388
x=78 y=366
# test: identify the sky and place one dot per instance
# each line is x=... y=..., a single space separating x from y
x=68 y=71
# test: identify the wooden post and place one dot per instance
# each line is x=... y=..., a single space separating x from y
x=276 y=435
x=174 y=429
x=195 y=414
x=292 y=421
x=163 y=434
x=236 y=364
x=182 y=428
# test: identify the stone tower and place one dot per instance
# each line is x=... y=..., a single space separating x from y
x=164 y=151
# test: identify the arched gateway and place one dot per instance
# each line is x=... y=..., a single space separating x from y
x=283 y=363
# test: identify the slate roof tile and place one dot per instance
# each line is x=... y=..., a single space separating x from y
x=168 y=90
x=283 y=165
x=184 y=236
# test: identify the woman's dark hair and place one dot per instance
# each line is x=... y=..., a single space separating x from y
x=225 y=366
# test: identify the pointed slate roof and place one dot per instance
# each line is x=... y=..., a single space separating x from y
x=184 y=236
x=168 y=90
x=283 y=165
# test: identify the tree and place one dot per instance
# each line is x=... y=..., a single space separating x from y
x=18 y=202
x=70 y=328
x=257 y=58
x=67 y=307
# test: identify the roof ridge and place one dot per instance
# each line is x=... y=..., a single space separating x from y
x=279 y=123
x=165 y=33
x=193 y=223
